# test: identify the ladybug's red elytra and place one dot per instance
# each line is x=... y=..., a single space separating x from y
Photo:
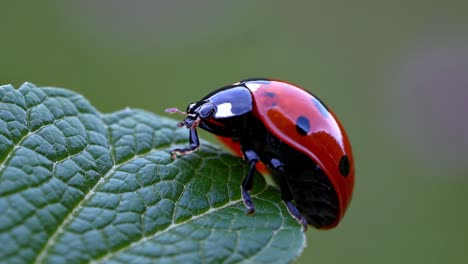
x=290 y=131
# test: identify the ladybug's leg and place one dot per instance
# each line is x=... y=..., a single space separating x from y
x=194 y=145
x=247 y=184
x=286 y=194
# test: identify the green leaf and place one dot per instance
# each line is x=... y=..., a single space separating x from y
x=79 y=186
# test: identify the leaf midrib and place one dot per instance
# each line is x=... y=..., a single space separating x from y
x=60 y=229
x=175 y=225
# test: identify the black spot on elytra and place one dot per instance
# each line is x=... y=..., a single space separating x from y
x=321 y=107
x=269 y=94
x=344 y=165
x=303 y=125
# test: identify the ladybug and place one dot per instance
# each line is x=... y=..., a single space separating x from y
x=289 y=131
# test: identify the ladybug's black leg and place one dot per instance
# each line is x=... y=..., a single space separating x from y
x=194 y=145
x=286 y=194
x=247 y=184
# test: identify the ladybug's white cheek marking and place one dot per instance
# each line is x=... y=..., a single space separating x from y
x=224 y=110
x=253 y=86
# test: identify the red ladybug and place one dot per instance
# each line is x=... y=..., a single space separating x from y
x=293 y=133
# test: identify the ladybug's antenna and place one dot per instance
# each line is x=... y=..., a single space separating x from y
x=190 y=122
x=173 y=110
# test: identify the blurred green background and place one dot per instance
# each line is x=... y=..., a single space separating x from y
x=395 y=72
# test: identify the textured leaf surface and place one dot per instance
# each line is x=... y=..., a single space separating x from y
x=80 y=186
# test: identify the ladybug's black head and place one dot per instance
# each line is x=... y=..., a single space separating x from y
x=219 y=111
x=203 y=109
x=196 y=112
